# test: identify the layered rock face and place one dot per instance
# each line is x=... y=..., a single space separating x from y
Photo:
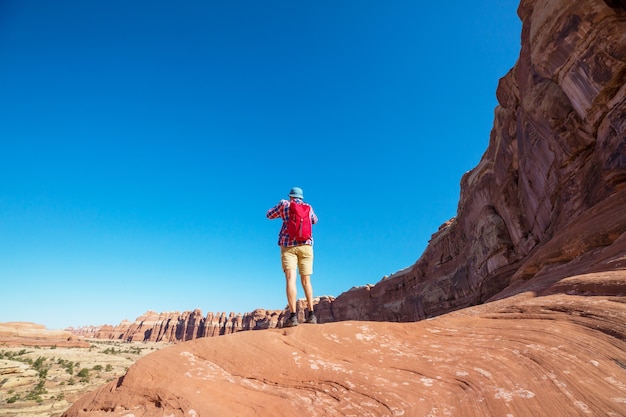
x=551 y=185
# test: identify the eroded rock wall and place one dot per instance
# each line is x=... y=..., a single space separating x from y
x=557 y=149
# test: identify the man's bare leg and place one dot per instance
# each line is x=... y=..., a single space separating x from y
x=308 y=290
x=291 y=289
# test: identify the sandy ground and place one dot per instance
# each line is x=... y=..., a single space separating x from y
x=45 y=381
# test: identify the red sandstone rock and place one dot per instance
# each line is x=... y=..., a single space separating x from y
x=551 y=185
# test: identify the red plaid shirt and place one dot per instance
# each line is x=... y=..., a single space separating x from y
x=281 y=210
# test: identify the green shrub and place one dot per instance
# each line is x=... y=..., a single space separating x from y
x=83 y=375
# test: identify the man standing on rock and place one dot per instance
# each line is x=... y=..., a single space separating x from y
x=296 y=249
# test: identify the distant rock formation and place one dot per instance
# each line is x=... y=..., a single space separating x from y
x=31 y=334
x=188 y=325
x=176 y=326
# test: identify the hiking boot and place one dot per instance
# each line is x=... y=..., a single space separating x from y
x=311 y=319
x=291 y=321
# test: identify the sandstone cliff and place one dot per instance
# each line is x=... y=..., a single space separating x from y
x=551 y=185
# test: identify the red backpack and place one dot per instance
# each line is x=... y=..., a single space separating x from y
x=299 y=224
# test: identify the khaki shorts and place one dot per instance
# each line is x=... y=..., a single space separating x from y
x=297 y=256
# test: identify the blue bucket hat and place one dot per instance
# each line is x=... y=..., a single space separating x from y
x=296 y=192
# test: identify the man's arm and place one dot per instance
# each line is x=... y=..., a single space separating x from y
x=276 y=211
x=313 y=216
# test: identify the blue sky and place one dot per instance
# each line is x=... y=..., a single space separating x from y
x=142 y=142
